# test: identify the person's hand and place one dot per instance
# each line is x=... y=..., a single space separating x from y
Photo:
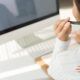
x=63 y=29
x=76 y=36
x=78 y=69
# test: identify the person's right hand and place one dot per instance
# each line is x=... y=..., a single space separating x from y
x=63 y=29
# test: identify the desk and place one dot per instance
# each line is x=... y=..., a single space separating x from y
x=43 y=66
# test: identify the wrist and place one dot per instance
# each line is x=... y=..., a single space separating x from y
x=65 y=38
x=62 y=45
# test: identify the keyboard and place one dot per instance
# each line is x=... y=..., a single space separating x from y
x=42 y=48
x=12 y=49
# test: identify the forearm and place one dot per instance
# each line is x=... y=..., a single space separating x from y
x=61 y=45
x=62 y=31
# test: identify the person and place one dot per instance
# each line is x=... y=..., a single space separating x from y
x=65 y=62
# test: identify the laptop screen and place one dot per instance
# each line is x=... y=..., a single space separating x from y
x=15 y=14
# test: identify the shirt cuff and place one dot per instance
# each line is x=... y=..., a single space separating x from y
x=61 y=45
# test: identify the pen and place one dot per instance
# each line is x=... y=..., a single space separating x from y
x=75 y=22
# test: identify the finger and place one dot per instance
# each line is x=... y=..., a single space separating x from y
x=57 y=24
x=70 y=29
x=61 y=25
x=78 y=69
x=66 y=28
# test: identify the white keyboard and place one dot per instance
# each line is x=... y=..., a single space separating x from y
x=41 y=48
x=12 y=50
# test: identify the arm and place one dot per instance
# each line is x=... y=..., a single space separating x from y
x=62 y=31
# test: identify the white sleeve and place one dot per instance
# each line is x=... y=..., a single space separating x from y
x=59 y=47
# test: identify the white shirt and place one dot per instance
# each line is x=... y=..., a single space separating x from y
x=64 y=61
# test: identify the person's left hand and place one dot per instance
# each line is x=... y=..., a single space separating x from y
x=76 y=36
x=78 y=69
